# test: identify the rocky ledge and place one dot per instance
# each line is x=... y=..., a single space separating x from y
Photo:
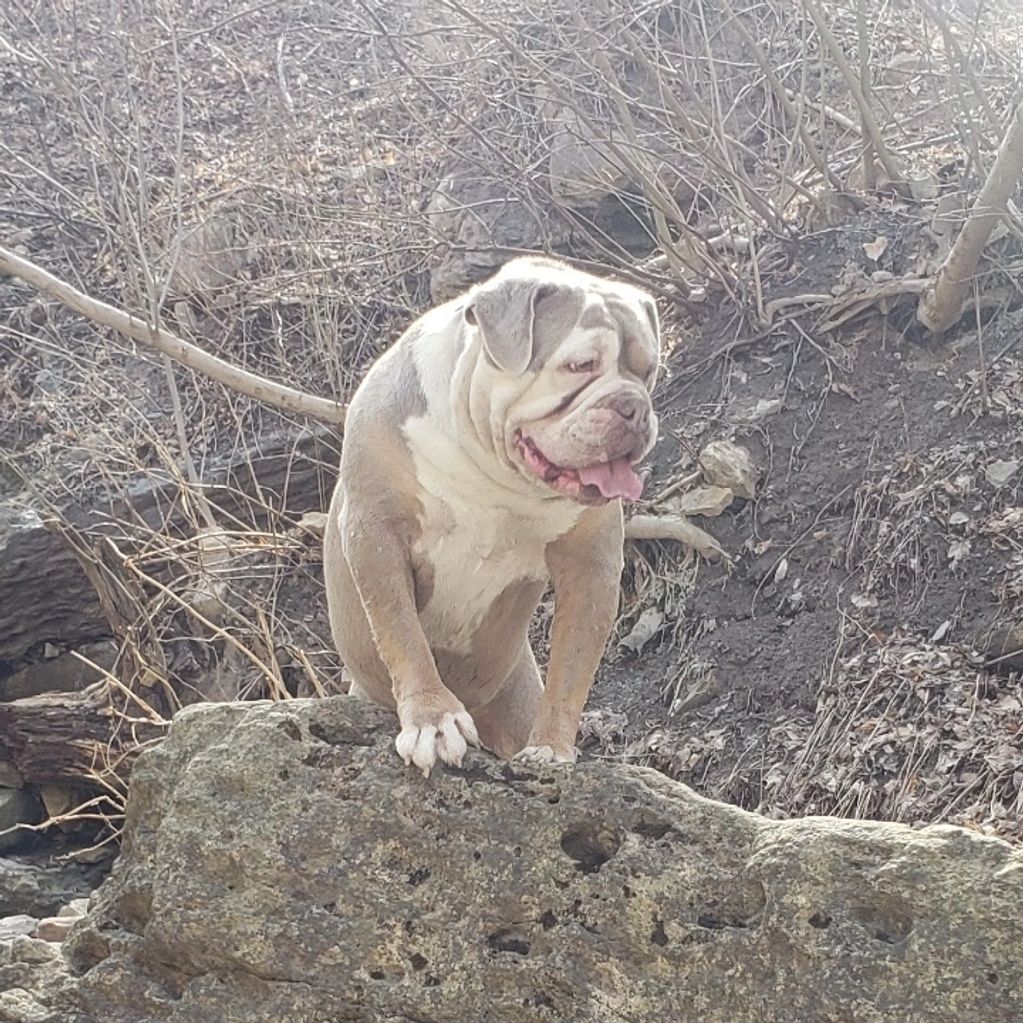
x=281 y=864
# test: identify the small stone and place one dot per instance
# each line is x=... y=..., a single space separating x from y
x=1003 y=648
x=55 y=928
x=313 y=522
x=14 y=926
x=999 y=473
x=75 y=908
x=41 y=890
x=57 y=799
x=25 y=949
x=726 y=464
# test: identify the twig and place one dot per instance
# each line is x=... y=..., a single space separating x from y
x=783 y=98
x=869 y=172
x=16 y=53
x=673 y=488
x=282 y=82
x=847 y=123
x=871 y=129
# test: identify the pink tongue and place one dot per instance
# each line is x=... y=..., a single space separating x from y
x=614 y=479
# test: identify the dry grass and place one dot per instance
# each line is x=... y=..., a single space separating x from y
x=911 y=731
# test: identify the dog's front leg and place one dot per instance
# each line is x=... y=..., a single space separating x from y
x=586 y=569
x=434 y=723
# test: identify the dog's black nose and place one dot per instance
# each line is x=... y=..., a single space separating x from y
x=631 y=407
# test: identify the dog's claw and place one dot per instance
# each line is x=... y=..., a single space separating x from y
x=542 y=756
x=422 y=745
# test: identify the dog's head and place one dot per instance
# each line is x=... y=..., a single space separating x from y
x=569 y=361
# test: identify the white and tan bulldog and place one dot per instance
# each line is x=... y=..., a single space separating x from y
x=487 y=453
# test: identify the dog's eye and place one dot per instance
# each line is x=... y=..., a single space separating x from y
x=583 y=366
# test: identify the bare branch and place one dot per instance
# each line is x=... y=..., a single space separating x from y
x=942 y=306
x=674 y=527
x=871 y=129
x=234 y=377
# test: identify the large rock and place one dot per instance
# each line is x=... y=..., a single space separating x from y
x=31 y=975
x=281 y=864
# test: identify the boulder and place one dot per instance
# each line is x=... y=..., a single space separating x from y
x=31 y=972
x=64 y=673
x=281 y=864
x=480 y=224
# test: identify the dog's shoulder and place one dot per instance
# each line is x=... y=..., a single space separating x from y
x=413 y=374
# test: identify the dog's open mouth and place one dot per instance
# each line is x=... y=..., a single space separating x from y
x=592 y=483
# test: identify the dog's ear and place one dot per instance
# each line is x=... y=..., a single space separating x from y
x=505 y=312
x=650 y=309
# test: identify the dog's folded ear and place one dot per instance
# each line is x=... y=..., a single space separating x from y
x=505 y=311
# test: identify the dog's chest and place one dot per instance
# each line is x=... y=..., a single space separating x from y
x=467 y=555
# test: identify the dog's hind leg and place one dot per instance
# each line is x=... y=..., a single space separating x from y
x=505 y=722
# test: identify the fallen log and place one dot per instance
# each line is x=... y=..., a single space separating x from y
x=72 y=738
x=45 y=596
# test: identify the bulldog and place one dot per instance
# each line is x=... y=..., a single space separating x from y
x=486 y=455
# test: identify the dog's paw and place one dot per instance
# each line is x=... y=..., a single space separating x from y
x=544 y=756
x=447 y=739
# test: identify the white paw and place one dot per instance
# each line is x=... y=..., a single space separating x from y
x=447 y=741
x=544 y=756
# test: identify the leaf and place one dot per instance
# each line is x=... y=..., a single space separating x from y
x=647 y=626
x=999 y=473
x=877 y=248
x=705 y=500
x=840 y=388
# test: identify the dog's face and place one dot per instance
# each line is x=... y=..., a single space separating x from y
x=562 y=394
